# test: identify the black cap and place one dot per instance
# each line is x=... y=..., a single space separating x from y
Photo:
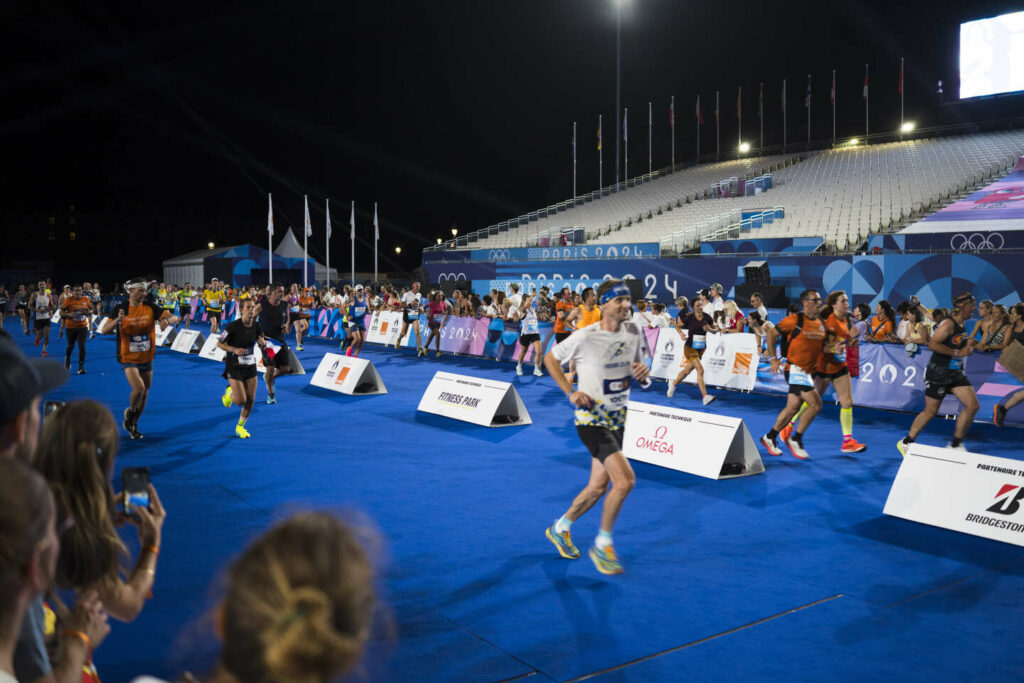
x=706 y=293
x=22 y=379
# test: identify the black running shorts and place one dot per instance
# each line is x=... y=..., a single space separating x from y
x=941 y=381
x=600 y=441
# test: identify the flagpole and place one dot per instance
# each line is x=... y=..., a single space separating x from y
x=833 y=106
x=672 y=109
x=808 y=111
x=352 y=238
x=739 y=116
x=867 y=106
x=698 y=129
x=783 y=114
x=760 y=112
x=327 y=244
x=718 y=136
x=901 y=96
x=574 y=160
x=376 y=236
x=305 y=237
x=650 y=136
x=600 y=156
x=270 y=237
x=625 y=145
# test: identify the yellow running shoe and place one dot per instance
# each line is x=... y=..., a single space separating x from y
x=562 y=541
x=241 y=433
x=606 y=561
x=226 y=398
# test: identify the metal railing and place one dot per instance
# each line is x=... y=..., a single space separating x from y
x=728 y=225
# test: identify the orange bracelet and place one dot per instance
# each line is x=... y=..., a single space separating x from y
x=82 y=636
x=153 y=549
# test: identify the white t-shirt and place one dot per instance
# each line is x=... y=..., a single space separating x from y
x=516 y=300
x=410 y=299
x=763 y=312
x=603 y=364
x=903 y=330
x=529 y=324
x=643 y=319
x=661 y=320
x=712 y=306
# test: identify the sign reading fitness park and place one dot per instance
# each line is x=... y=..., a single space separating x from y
x=347 y=375
x=708 y=445
x=478 y=401
x=188 y=341
x=976 y=494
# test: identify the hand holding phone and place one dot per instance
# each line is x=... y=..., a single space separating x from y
x=135 y=488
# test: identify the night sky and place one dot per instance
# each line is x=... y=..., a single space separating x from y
x=166 y=124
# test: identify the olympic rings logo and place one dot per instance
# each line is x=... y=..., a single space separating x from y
x=977 y=241
x=444 y=277
x=498 y=255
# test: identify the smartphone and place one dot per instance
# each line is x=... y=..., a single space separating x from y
x=135 y=486
x=52 y=407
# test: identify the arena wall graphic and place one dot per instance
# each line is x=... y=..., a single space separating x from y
x=933 y=278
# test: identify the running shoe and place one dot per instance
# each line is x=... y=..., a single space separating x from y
x=902 y=446
x=134 y=432
x=81 y=371
x=957 y=449
x=92 y=335
x=606 y=561
x=67 y=363
x=125 y=423
x=999 y=415
x=562 y=541
x=708 y=399
x=437 y=355
x=671 y=389
x=537 y=371
x=37 y=341
x=225 y=399
x=770 y=445
x=45 y=354
x=786 y=432
x=299 y=347
x=797 y=449
x=271 y=400
x=419 y=352
x=519 y=370
x=241 y=433
x=851 y=445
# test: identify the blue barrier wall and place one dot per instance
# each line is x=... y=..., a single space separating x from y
x=779 y=245
x=584 y=251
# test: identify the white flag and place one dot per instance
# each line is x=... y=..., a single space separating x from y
x=376 y=227
x=328 y=219
x=270 y=215
x=352 y=223
x=309 y=226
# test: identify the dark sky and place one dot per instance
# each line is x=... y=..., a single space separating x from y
x=443 y=112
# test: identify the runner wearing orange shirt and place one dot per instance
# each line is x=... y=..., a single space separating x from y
x=76 y=310
x=136 y=321
x=806 y=335
x=584 y=315
x=306 y=302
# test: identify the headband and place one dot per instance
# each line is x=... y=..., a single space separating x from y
x=962 y=299
x=616 y=291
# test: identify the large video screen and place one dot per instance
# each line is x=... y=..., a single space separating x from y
x=992 y=55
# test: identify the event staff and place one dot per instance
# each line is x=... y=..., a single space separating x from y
x=806 y=337
x=696 y=325
x=274 y=322
x=239 y=341
x=135 y=321
x=1017 y=335
x=882 y=328
x=357 y=321
x=609 y=356
x=76 y=310
x=950 y=344
x=214 y=298
x=529 y=335
x=41 y=305
x=832 y=369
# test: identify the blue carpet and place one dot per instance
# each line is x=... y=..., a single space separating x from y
x=473 y=592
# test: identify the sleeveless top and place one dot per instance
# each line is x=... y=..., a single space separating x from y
x=956 y=340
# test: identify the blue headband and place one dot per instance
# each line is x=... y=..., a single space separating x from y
x=616 y=291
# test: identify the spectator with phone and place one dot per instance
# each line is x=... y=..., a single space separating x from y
x=76 y=456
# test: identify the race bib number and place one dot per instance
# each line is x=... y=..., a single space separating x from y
x=138 y=343
x=414 y=316
x=248 y=359
x=699 y=342
x=840 y=356
x=305 y=311
x=799 y=377
x=359 y=310
x=531 y=327
x=294 y=309
x=78 y=316
x=956 y=363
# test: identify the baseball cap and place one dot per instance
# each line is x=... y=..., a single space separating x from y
x=706 y=293
x=23 y=378
x=359 y=288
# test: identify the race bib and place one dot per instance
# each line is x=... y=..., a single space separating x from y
x=305 y=311
x=956 y=363
x=294 y=309
x=138 y=343
x=699 y=342
x=414 y=316
x=800 y=378
x=359 y=310
x=78 y=316
x=248 y=359
x=840 y=356
x=531 y=327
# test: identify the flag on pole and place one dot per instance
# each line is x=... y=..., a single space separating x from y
x=807 y=97
x=833 y=98
x=899 y=87
x=309 y=226
x=328 y=219
x=672 y=111
x=625 y=125
x=865 y=81
x=376 y=226
x=650 y=116
x=760 y=101
x=598 y=133
x=700 y=117
x=716 y=106
x=270 y=215
x=352 y=223
x=739 y=102
x=783 y=96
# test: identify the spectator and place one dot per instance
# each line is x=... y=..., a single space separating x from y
x=903 y=328
x=917 y=330
x=861 y=319
x=475 y=307
x=1000 y=333
x=984 y=324
x=23 y=381
x=882 y=327
x=757 y=303
x=76 y=455
x=715 y=300
x=734 y=319
x=660 y=317
x=642 y=318
x=490 y=308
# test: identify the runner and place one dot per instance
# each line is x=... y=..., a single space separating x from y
x=239 y=341
x=41 y=305
x=1017 y=335
x=585 y=313
x=65 y=293
x=832 y=369
x=21 y=307
x=213 y=299
x=136 y=321
x=806 y=338
x=950 y=344
x=357 y=322
x=697 y=326
x=96 y=297
x=411 y=308
x=185 y=303
x=274 y=322
x=436 y=307
x=529 y=335
x=4 y=300
x=76 y=312
x=169 y=298
x=305 y=312
x=609 y=356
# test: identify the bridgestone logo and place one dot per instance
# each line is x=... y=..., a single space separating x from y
x=997 y=523
x=458 y=400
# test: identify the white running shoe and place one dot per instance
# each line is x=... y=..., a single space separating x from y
x=797 y=449
x=519 y=370
x=770 y=446
x=671 y=389
x=537 y=371
x=708 y=399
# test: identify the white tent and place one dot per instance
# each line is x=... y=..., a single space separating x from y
x=291 y=247
x=189 y=267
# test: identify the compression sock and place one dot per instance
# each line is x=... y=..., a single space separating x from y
x=796 y=418
x=773 y=433
x=603 y=540
x=241 y=421
x=563 y=524
x=846 y=420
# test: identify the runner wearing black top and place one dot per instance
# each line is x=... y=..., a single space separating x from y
x=239 y=341
x=274 y=322
x=697 y=326
x=950 y=345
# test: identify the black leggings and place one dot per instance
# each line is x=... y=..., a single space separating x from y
x=76 y=334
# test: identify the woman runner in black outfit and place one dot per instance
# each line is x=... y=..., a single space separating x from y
x=239 y=339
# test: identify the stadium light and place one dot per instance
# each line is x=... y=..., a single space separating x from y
x=455 y=232
x=398 y=250
x=744 y=147
x=854 y=142
x=439 y=240
x=209 y=245
x=907 y=127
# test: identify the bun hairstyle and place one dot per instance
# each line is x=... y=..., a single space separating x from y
x=299 y=603
x=77 y=447
x=830 y=304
